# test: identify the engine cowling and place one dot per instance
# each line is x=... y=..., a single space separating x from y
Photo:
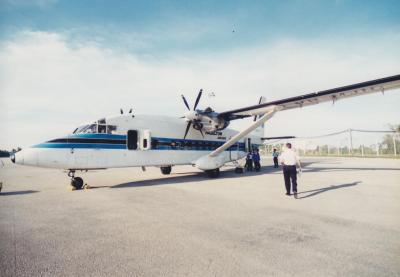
x=212 y=124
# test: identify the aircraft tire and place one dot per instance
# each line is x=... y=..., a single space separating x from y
x=77 y=182
x=214 y=173
x=166 y=170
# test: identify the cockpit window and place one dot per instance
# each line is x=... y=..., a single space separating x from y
x=90 y=129
x=102 y=129
x=80 y=129
x=111 y=129
x=86 y=129
x=96 y=128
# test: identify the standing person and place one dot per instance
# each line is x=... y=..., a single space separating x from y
x=256 y=160
x=249 y=162
x=289 y=160
x=275 y=156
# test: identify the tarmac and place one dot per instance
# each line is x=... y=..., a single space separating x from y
x=346 y=222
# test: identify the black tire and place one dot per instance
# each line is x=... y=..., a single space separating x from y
x=77 y=182
x=239 y=170
x=166 y=170
x=214 y=173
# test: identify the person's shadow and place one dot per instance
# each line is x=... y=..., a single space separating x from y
x=18 y=192
x=321 y=190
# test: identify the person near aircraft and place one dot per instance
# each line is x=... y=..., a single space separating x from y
x=275 y=156
x=249 y=162
x=289 y=160
x=256 y=160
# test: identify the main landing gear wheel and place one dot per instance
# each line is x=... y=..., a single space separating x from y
x=166 y=170
x=77 y=182
x=214 y=173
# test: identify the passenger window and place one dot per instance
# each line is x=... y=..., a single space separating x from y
x=145 y=143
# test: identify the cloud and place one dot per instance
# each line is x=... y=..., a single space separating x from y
x=49 y=85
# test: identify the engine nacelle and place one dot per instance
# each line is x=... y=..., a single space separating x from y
x=212 y=124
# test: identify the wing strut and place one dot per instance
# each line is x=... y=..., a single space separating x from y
x=242 y=134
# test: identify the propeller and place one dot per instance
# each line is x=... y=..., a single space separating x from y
x=186 y=103
x=197 y=99
x=191 y=116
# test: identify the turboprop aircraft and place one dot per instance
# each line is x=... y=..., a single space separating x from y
x=199 y=138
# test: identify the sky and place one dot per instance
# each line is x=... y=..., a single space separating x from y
x=64 y=63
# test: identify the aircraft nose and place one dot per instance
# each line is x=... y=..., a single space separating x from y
x=18 y=157
x=12 y=157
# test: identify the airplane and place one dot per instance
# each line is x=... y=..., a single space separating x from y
x=199 y=138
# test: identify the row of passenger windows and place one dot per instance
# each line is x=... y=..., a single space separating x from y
x=190 y=145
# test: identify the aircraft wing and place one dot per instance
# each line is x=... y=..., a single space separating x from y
x=378 y=85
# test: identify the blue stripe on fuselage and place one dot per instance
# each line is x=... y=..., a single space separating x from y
x=97 y=136
x=158 y=143
x=81 y=145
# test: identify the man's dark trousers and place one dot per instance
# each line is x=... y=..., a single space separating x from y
x=289 y=172
x=276 y=162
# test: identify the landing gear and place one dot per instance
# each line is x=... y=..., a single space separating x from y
x=166 y=170
x=214 y=173
x=76 y=182
x=238 y=170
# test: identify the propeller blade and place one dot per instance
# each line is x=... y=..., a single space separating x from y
x=197 y=100
x=201 y=133
x=187 y=129
x=259 y=102
x=186 y=103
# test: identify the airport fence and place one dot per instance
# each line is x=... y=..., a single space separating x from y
x=349 y=142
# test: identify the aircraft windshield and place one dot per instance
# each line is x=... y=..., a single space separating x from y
x=86 y=129
x=96 y=128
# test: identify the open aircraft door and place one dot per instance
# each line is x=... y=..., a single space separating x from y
x=247 y=143
x=132 y=140
x=145 y=140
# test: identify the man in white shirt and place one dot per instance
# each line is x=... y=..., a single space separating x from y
x=289 y=160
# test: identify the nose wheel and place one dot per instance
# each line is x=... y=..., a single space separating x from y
x=76 y=182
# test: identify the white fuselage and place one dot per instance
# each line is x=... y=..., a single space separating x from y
x=134 y=140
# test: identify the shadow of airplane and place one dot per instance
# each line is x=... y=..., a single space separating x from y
x=185 y=177
x=19 y=192
x=321 y=190
x=178 y=178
